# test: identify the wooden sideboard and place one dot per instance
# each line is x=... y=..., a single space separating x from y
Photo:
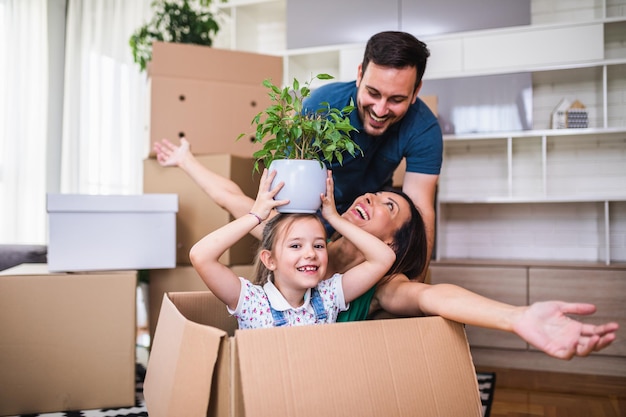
x=522 y=283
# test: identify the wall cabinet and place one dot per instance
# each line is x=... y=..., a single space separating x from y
x=571 y=51
x=568 y=36
x=603 y=287
x=503 y=283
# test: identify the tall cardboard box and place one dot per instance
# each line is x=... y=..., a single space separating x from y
x=111 y=232
x=200 y=365
x=209 y=95
x=197 y=213
x=67 y=340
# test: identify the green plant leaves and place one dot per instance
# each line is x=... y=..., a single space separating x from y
x=286 y=132
x=174 y=21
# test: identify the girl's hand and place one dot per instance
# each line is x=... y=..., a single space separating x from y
x=329 y=209
x=168 y=154
x=265 y=202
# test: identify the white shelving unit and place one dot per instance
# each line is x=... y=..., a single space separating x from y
x=539 y=194
x=563 y=185
x=254 y=26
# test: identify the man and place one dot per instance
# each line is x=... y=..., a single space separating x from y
x=393 y=124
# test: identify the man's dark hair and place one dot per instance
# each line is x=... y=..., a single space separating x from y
x=397 y=50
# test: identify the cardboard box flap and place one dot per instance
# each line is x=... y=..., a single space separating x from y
x=204 y=308
x=180 y=369
x=177 y=60
x=416 y=366
x=112 y=203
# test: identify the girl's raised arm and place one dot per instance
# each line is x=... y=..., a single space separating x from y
x=378 y=255
x=205 y=254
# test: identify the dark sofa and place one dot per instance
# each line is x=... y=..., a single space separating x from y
x=13 y=255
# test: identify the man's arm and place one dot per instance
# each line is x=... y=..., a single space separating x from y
x=421 y=188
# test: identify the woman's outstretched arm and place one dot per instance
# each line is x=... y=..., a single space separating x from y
x=205 y=254
x=224 y=192
x=545 y=325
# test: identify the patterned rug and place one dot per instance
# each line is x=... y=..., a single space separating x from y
x=486 y=384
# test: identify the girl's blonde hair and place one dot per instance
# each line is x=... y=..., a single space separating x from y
x=274 y=228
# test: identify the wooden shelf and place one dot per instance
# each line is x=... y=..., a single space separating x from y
x=608 y=133
x=467 y=262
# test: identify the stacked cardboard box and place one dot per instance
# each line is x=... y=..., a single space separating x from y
x=197 y=213
x=209 y=96
x=67 y=340
x=68 y=326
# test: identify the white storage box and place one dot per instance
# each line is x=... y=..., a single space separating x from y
x=111 y=232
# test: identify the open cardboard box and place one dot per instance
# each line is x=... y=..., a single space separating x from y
x=201 y=365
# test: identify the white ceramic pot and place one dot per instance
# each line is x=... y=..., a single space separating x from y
x=304 y=181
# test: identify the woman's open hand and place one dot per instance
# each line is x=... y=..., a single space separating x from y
x=547 y=326
x=168 y=154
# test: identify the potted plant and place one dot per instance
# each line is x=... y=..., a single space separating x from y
x=296 y=143
x=179 y=21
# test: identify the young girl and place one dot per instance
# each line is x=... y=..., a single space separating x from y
x=293 y=285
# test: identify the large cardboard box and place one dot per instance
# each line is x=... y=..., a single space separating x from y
x=111 y=232
x=197 y=213
x=200 y=365
x=67 y=341
x=180 y=279
x=209 y=95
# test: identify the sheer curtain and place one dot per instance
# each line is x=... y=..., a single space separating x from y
x=105 y=110
x=23 y=120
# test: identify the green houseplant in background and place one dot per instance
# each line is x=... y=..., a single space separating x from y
x=292 y=139
x=179 y=21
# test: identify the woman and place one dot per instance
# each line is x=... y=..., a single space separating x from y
x=544 y=325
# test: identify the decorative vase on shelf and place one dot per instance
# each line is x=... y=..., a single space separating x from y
x=305 y=180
